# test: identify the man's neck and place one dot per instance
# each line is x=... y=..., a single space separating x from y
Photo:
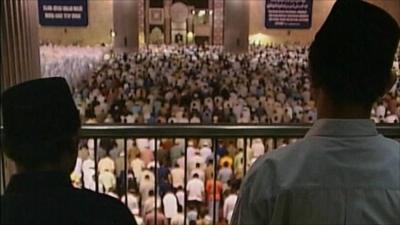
x=342 y=111
x=329 y=109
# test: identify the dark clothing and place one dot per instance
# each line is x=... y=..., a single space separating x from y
x=49 y=198
x=162 y=174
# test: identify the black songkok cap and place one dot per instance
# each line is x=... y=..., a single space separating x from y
x=39 y=110
x=357 y=39
x=352 y=21
x=355 y=24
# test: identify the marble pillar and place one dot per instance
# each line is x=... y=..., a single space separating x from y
x=236 y=26
x=126 y=25
x=167 y=21
x=20 y=58
x=218 y=22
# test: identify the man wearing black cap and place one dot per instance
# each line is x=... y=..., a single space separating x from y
x=343 y=171
x=41 y=125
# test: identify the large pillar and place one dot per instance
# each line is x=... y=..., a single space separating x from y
x=218 y=22
x=236 y=26
x=126 y=25
x=20 y=58
x=141 y=5
x=167 y=21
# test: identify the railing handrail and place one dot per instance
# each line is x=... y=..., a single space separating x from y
x=214 y=130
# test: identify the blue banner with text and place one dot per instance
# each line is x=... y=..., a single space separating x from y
x=65 y=13
x=288 y=14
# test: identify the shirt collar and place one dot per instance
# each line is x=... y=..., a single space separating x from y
x=31 y=181
x=343 y=128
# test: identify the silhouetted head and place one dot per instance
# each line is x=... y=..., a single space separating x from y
x=41 y=124
x=352 y=54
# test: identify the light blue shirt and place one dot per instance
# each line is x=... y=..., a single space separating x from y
x=342 y=172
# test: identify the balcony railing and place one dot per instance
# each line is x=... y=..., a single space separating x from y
x=214 y=132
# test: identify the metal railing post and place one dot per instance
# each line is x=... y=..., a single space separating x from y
x=96 y=173
x=185 y=205
x=155 y=181
x=245 y=157
x=126 y=184
x=215 y=216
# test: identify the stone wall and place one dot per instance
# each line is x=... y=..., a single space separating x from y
x=97 y=32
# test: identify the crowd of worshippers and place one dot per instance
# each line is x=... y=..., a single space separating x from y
x=171 y=84
x=160 y=174
x=71 y=62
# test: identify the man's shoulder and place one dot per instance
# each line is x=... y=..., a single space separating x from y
x=99 y=201
x=269 y=165
x=283 y=166
x=198 y=181
x=85 y=205
x=190 y=182
x=278 y=155
x=109 y=205
x=390 y=144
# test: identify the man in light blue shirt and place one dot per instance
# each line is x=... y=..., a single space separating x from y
x=343 y=171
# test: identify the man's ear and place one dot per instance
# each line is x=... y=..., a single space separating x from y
x=392 y=81
x=315 y=92
x=74 y=144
